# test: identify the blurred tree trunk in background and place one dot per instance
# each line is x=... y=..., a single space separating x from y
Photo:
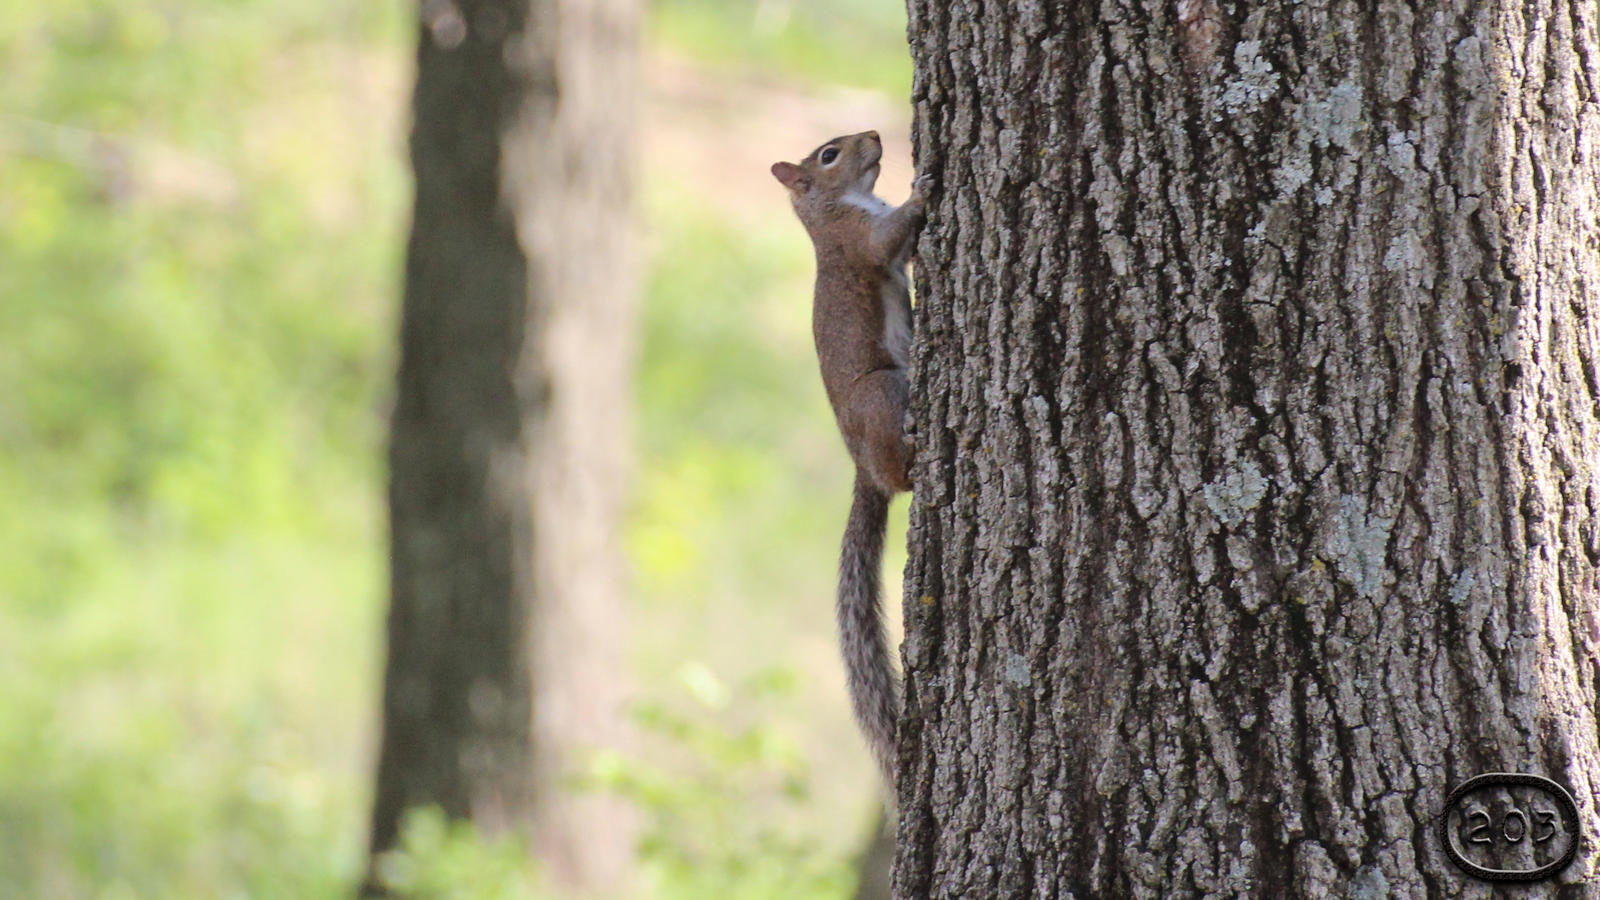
x=1258 y=446
x=872 y=867
x=509 y=429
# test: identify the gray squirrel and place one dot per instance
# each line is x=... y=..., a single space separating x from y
x=861 y=320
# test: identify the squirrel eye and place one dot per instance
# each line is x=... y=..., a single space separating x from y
x=830 y=155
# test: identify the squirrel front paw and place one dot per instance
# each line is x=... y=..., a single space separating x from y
x=922 y=186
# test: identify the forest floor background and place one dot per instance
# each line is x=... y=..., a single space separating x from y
x=202 y=215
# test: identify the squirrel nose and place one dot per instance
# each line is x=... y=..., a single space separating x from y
x=873 y=136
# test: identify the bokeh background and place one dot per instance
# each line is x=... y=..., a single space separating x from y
x=203 y=206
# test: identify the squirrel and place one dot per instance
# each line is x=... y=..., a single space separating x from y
x=861 y=321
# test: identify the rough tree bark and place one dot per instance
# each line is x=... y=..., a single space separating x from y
x=1258 y=431
x=508 y=439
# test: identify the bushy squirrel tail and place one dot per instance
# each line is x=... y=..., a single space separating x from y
x=874 y=688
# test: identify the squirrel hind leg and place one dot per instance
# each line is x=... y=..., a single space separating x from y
x=879 y=444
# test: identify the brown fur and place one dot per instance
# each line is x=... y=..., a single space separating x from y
x=861 y=320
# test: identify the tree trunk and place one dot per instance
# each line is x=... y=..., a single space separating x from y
x=873 y=865
x=575 y=205
x=1258 y=442
x=508 y=435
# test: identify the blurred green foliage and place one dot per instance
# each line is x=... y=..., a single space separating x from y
x=197 y=319
x=202 y=211
x=708 y=787
x=443 y=860
x=848 y=42
x=714 y=787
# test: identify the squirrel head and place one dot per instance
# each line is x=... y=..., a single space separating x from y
x=842 y=166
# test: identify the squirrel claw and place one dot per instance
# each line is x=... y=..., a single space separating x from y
x=923 y=184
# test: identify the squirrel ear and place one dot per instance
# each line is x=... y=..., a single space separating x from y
x=791 y=176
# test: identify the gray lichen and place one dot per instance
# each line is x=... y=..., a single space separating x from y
x=1359 y=544
x=1236 y=493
